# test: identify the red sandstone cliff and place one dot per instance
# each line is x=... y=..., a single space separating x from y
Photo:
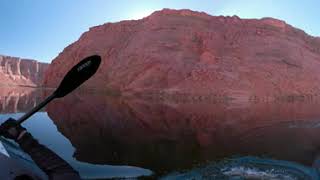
x=21 y=72
x=182 y=52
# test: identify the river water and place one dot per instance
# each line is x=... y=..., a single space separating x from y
x=104 y=136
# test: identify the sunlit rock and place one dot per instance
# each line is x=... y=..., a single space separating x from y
x=15 y=71
x=195 y=54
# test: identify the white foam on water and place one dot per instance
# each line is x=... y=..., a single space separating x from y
x=253 y=173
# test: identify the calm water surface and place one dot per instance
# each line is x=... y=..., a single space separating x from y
x=103 y=136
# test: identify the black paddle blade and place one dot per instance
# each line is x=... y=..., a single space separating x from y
x=78 y=74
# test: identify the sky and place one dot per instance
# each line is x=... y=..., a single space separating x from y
x=41 y=29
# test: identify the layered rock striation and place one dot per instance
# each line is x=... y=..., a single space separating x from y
x=21 y=72
x=191 y=54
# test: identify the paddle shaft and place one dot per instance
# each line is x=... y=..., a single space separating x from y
x=37 y=108
x=72 y=80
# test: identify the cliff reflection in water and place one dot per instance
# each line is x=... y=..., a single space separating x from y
x=18 y=99
x=165 y=137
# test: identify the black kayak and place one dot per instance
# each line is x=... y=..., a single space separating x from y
x=15 y=163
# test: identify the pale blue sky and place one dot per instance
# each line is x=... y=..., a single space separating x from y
x=40 y=29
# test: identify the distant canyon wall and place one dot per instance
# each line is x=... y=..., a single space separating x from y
x=15 y=71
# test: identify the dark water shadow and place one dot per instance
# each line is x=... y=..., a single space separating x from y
x=168 y=137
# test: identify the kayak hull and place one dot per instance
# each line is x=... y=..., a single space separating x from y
x=15 y=163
